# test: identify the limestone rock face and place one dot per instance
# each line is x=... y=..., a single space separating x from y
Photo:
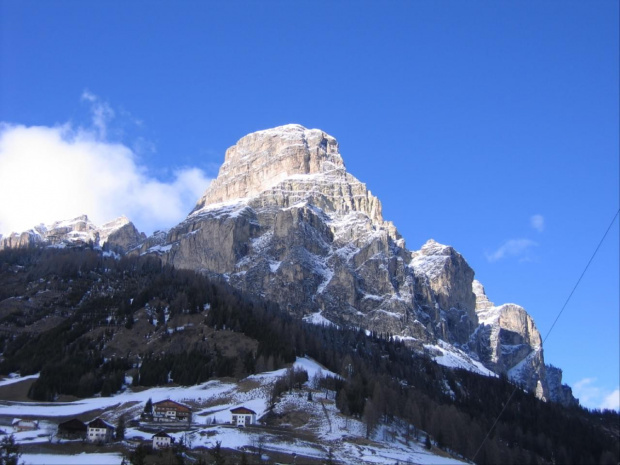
x=508 y=342
x=119 y=235
x=450 y=279
x=286 y=221
x=559 y=392
x=20 y=240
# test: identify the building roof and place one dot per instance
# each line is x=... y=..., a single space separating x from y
x=243 y=410
x=75 y=425
x=161 y=434
x=24 y=422
x=172 y=403
x=99 y=423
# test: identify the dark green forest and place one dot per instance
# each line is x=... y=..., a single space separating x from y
x=382 y=379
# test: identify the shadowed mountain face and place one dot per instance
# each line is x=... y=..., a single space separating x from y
x=285 y=220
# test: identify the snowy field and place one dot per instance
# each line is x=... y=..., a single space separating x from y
x=78 y=459
x=322 y=427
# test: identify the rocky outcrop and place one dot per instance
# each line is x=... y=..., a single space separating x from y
x=559 y=392
x=20 y=240
x=285 y=220
x=448 y=276
x=507 y=341
x=119 y=235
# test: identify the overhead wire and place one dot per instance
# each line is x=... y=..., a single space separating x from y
x=550 y=329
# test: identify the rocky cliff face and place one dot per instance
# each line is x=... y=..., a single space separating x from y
x=285 y=220
x=119 y=235
x=508 y=342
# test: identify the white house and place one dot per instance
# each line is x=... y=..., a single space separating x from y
x=242 y=416
x=24 y=425
x=99 y=431
x=162 y=440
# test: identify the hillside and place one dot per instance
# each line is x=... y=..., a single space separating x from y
x=91 y=325
x=309 y=429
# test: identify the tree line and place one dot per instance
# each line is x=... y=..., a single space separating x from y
x=380 y=379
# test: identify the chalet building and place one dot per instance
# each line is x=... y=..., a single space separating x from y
x=72 y=429
x=162 y=440
x=171 y=411
x=24 y=425
x=99 y=431
x=242 y=416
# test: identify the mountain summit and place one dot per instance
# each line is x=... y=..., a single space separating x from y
x=285 y=220
x=119 y=235
x=292 y=164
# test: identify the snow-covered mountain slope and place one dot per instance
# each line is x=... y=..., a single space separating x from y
x=285 y=220
x=318 y=424
x=119 y=235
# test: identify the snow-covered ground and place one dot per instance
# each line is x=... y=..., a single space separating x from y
x=78 y=459
x=315 y=426
x=15 y=378
x=447 y=355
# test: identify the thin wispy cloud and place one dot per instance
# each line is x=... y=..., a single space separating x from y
x=538 y=222
x=592 y=396
x=52 y=173
x=101 y=113
x=513 y=248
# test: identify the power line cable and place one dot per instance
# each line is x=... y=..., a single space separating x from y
x=550 y=329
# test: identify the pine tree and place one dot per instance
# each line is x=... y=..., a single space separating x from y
x=148 y=410
x=120 y=428
x=427 y=442
x=371 y=417
x=216 y=453
x=9 y=451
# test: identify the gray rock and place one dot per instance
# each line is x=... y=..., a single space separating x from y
x=119 y=235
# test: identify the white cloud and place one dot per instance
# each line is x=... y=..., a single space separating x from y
x=592 y=396
x=538 y=222
x=513 y=248
x=52 y=173
x=102 y=113
x=586 y=391
x=611 y=401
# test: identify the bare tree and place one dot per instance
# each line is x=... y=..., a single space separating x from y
x=371 y=417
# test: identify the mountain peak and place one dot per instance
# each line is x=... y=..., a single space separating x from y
x=263 y=159
x=119 y=234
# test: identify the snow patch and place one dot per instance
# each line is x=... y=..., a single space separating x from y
x=452 y=357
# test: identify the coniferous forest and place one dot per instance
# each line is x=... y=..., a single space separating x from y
x=62 y=307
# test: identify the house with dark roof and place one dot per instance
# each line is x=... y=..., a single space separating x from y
x=171 y=411
x=99 y=431
x=162 y=440
x=72 y=429
x=242 y=416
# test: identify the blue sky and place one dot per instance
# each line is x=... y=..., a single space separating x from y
x=489 y=126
